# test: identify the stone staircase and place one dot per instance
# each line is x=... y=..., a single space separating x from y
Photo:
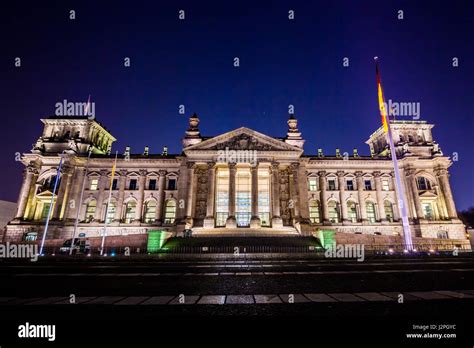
x=245 y=232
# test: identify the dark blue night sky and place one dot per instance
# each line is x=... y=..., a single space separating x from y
x=282 y=62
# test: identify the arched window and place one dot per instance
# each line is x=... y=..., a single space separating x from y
x=170 y=211
x=333 y=212
x=130 y=210
x=388 y=209
x=370 y=209
x=423 y=183
x=90 y=210
x=351 y=211
x=110 y=214
x=150 y=211
x=314 y=212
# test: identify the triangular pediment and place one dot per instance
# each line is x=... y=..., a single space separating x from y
x=243 y=139
x=428 y=194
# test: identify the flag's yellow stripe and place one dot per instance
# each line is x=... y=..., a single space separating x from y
x=383 y=111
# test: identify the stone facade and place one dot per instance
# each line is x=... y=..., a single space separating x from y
x=237 y=180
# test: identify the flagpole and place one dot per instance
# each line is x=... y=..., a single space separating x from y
x=58 y=175
x=80 y=200
x=108 y=204
x=402 y=202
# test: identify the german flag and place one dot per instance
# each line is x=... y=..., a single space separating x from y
x=382 y=105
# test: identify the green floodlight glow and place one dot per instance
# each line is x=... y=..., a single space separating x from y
x=156 y=240
x=327 y=238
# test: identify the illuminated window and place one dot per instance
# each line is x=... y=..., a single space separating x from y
x=314 y=212
x=243 y=206
x=385 y=185
x=94 y=184
x=170 y=211
x=370 y=209
x=222 y=197
x=313 y=184
x=442 y=235
x=150 y=212
x=388 y=209
x=130 y=210
x=333 y=212
x=427 y=210
x=45 y=211
x=352 y=211
x=90 y=210
x=264 y=197
x=110 y=215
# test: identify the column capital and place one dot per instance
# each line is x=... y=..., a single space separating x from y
x=162 y=173
x=377 y=174
x=123 y=172
x=358 y=174
x=410 y=171
x=322 y=173
x=211 y=166
x=232 y=166
x=143 y=172
x=190 y=165
x=441 y=172
x=340 y=173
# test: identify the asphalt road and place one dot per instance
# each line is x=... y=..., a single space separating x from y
x=362 y=298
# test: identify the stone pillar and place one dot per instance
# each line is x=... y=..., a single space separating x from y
x=231 y=221
x=414 y=193
x=75 y=195
x=276 y=218
x=101 y=196
x=379 y=195
x=65 y=202
x=323 y=197
x=190 y=198
x=28 y=174
x=209 y=221
x=360 y=195
x=61 y=197
x=302 y=185
x=255 y=219
x=161 y=196
x=294 y=191
x=342 y=200
x=141 y=195
x=121 y=195
x=443 y=177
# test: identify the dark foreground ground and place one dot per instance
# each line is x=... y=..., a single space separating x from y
x=263 y=301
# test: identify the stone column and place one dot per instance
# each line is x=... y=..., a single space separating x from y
x=100 y=198
x=255 y=219
x=276 y=218
x=65 y=202
x=443 y=177
x=231 y=221
x=414 y=193
x=141 y=195
x=209 y=220
x=190 y=198
x=302 y=185
x=323 y=198
x=294 y=192
x=75 y=195
x=342 y=200
x=360 y=194
x=28 y=174
x=121 y=195
x=379 y=195
x=161 y=196
x=61 y=197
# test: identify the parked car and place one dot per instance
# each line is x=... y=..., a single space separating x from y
x=81 y=245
